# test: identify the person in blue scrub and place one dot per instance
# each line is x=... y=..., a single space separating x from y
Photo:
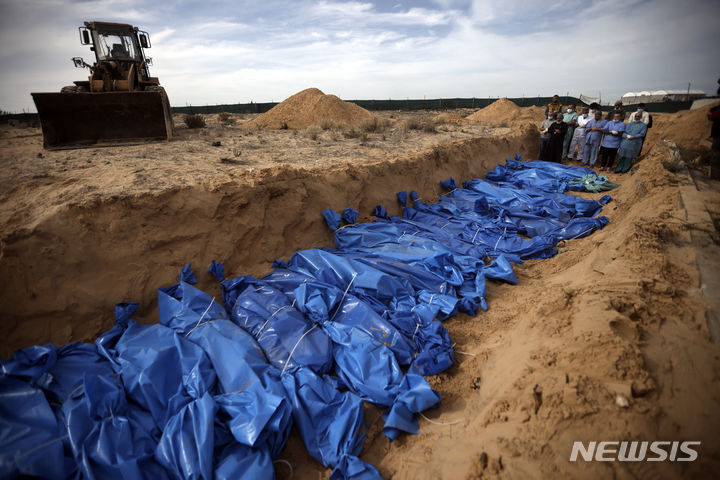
x=631 y=144
x=593 y=137
x=611 y=142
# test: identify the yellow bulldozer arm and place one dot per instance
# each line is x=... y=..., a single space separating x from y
x=76 y=120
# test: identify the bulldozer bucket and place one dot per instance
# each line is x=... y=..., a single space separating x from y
x=76 y=120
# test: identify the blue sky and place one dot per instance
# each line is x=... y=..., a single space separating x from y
x=222 y=51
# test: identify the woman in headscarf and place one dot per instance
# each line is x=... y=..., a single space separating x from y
x=632 y=142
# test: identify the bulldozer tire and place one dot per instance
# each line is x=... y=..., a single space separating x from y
x=166 y=102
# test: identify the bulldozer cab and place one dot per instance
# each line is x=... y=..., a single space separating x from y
x=117 y=48
x=119 y=103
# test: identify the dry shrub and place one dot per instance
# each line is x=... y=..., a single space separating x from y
x=350 y=132
x=195 y=121
x=413 y=124
x=430 y=126
x=327 y=124
x=373 y=124
x=313 y=131
x=334 y=135
x=401 y=134
x=226 y=118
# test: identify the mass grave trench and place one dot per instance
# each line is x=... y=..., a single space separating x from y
x=62 y=277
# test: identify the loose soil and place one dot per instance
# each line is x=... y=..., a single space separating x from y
x=506 y=112
x=310 y=107
x=621 y=314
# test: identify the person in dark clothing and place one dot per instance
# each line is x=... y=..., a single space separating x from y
x=618 y=109
x=714 y=116
x=557 y=136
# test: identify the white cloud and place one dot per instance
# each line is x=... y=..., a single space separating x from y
x=225 y=52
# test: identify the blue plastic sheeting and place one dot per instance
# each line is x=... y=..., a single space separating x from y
x=350 y=215
x=537 y=174
x=449 y=184
x=31 y=440
x=365 y=360
x=332 y=218
x=285 y=335
x=411 y=334
x=380 y=212
x=317 y=407
x=213 y=389
x=454 y=274
x=217 y=270
x=402 y=198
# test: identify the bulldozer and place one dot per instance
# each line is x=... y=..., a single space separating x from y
x=119 y=103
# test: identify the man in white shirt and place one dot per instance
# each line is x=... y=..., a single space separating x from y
x=578 y=139
x=645 y=115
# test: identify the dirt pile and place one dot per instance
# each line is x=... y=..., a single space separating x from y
x=309 y=107
x=506 y=112
x=450 y=118
x=689 y=129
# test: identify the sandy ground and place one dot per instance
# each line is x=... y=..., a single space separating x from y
x=618 y=318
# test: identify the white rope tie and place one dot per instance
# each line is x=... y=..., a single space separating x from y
x=441 y=423
x=201 y=317
x=417 y=326
x=465 y=353
x=287 y=362
x=476 y=234
x=284 y=307
x=582 y=233
x=499 y=238
x=343 y=297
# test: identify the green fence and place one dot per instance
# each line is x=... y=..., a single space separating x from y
x=409 y=104
x=428 y=104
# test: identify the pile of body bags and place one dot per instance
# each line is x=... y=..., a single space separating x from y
x=212 y=390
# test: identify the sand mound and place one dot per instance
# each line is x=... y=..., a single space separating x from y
x=689 y=129
x=504 y=111
x=309 y=107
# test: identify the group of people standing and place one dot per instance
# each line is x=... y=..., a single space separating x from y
x=564 y=132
